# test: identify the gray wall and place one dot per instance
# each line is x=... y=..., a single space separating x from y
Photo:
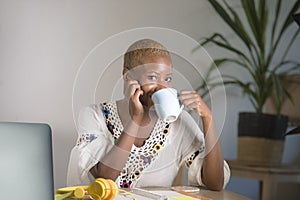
x=44 y=43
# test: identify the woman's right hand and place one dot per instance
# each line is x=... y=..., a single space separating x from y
x=132 y=92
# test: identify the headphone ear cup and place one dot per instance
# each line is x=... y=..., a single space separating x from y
x=97 y=190
x=113 y=189
x=103 y=189
x=107 y=189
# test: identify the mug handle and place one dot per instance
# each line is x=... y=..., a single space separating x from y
x=181 y=107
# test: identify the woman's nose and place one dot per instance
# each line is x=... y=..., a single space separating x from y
x=159 y=87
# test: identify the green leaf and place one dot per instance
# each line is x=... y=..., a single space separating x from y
x=245 y=86
x=288 y=95
x=214 y=37
x=293 y=67
x=250 y=12
x=222 y=61
x=284 y=27
x=289 y=18
x=277 y=92
x=225 y=16
x=227 y=47
x=264 y=23
x=290 y=44
x=262 y=14
x=239 y=24
x=257 y=61
x=278 y=6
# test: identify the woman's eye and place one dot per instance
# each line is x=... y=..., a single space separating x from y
x=152 y=78
x=168 y=79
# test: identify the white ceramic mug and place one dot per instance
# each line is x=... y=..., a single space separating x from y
x=166 y=104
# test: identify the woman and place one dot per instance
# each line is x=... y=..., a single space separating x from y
x=125 y=140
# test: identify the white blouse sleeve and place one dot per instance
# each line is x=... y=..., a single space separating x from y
x=194 y=172
x=94 y=141
x=194 y=150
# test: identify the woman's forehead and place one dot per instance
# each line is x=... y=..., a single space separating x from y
x=152 y=67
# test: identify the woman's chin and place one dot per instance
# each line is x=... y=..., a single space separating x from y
x=147 y=103
x=148 y=106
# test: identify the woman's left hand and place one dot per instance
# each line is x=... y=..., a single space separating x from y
x=193 y=101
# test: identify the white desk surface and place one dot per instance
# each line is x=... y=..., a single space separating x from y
x=206 y=194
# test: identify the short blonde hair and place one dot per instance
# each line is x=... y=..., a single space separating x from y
x=143 y=48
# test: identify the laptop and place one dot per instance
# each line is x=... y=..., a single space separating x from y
x=26 y=166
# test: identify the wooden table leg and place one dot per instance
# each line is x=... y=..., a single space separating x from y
x=269 y=188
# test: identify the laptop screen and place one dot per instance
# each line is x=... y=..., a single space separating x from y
x=26 y=161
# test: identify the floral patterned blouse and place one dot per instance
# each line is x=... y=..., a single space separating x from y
x=140 y=157
x=155 y=163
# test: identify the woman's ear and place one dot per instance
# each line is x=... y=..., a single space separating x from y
x=125 y=73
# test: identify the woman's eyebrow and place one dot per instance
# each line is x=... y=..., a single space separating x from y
x=158 y=72
x=152 y=72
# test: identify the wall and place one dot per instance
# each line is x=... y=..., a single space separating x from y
x=44 y=43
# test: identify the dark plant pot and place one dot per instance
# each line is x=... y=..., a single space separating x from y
x=262 y=125
x=261 y=137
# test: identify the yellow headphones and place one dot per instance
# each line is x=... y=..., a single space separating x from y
x=99 y=189
x=103 y=189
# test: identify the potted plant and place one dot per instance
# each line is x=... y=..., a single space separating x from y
x=261 y=59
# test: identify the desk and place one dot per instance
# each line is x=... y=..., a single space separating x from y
x=214 y=195
x=222 y=195
x=203 y=193
x=269 y=176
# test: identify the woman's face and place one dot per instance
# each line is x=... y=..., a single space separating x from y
x=154 y=75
